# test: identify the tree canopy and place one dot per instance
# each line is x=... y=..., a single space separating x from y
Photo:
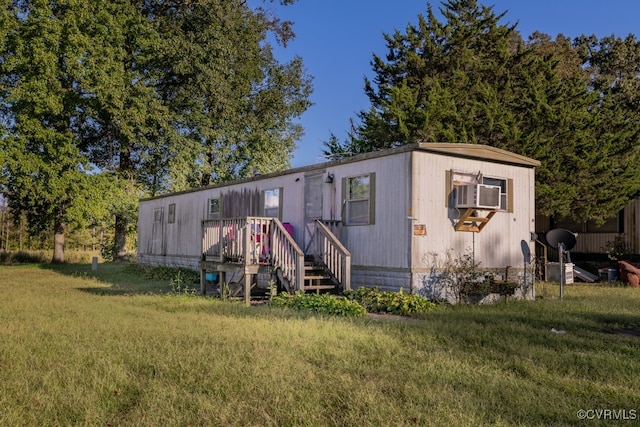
x=471 y=78
x=139 y=97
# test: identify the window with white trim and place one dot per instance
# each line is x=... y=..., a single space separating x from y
x=503 y=184
x=272 y=203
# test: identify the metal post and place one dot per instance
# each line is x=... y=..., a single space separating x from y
x=247 y=288
x=203 y=280
x=524 y=278
x=562 y=273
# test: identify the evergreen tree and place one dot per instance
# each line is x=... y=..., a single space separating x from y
x=472 y=79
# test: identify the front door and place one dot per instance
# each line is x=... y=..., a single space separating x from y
x=313 y=185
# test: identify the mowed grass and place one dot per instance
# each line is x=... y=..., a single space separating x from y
x=109 y=348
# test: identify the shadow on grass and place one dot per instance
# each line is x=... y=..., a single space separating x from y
x=543 y=327
x=112 y=279
x=124 y=279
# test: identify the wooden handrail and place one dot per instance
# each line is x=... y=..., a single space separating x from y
x=212 y=239
x=333 y=254
x=287 y=255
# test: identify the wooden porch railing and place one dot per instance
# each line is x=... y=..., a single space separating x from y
x=287 y=255
x=254 y=240
x=333 y=254
x=237 y=240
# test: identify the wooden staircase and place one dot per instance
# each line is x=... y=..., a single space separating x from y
x=244 y=246
x=317 y=278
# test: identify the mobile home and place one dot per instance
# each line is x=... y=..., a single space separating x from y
x=621 y=229
x=387 y=218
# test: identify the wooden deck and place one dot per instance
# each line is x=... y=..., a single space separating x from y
x=247 y=246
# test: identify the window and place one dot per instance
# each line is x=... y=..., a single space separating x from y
x=214 y=208
x=272 y=203
x=172 y=213
x=502 y=183
x=614 y=224
x=157 y=214
x=359 y=201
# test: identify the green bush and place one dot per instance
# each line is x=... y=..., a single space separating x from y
x=385 y=302
x=323 y=303
x=174 y=275
x=22 y=257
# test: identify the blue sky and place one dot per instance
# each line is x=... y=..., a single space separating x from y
x=336 y=40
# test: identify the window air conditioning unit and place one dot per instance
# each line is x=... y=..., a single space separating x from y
x=478 y=196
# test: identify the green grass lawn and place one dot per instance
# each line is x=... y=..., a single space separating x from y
x=110 y=348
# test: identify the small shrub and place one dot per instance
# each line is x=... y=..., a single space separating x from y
x=173 y=275
x=179 y=283
x=323 y=303
x=617 y=249
x=385 y=302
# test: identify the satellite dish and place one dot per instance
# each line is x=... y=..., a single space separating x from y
x=561 y=235
x=526 y=252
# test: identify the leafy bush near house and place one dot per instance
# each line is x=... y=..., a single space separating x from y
x=617 y=249
x=385 y=302
x=486 y=286
x=323 y=304
x=165 y=274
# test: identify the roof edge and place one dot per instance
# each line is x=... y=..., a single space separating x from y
x=474 y=151
x=478 y=151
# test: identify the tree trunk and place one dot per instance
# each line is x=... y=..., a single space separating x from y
x=120 y=237
x=58 y=244
x=126 y=171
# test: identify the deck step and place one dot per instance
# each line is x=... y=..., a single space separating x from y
x=316 y=280
x=319 y=287
x=318 y=277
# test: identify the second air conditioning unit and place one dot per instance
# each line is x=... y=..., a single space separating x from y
x=478 y=196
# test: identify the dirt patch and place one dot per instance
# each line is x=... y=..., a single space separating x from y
x=625 y=331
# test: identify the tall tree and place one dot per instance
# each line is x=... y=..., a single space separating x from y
x=44 y=170
x=595 y=172
x=199 y=96
x=613 y=66
x=473 y=79
x=125 y=125
x=159 y=95
x=234 y=101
